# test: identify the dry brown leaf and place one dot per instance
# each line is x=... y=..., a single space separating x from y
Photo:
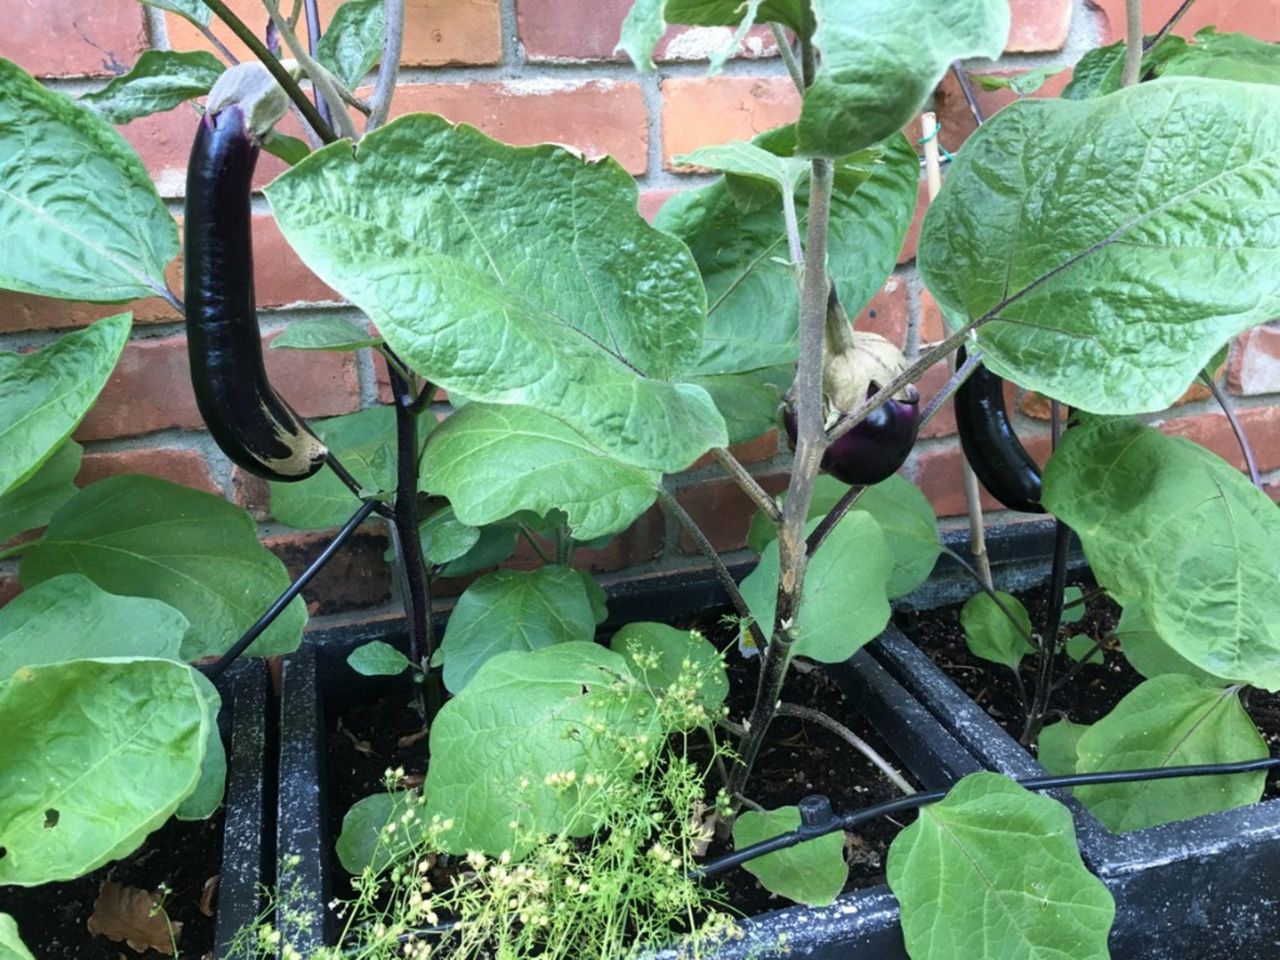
x=361 y=746
x=208 y=894
x=129 y=914
x=409 y=739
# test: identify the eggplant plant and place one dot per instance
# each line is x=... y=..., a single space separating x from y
x=1099 y=249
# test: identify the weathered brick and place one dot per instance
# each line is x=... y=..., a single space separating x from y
x=762 y=448
x=1261 y=426
x=355 y=578
x=723 y=511
x=24 y=311
x=175 y=464
x=640 y=542
x=598 y=117
x=1258 y=17
x=886 y=314
x=943 y=423
x=151 y=388
x=252 y=493
x=932 y=329
x=436 y=32
x=1037 y=405
x=1038 y=25
x=577 y=31
x=912 y=240
x=939 y=474
x=48 y=38
x=700 y=111
x=651 y=201
x=1255 y=362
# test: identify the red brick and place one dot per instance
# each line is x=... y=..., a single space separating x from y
x=1258 y=17
x=1271 y=489
x=1038 y=25
x=597 y=117
x=762 y=448
x=1261 y=426
x=700 y=111
x=912 y=240
x=886 y=314
x=938 y=473
x=1255 y=361
x=723 y=511
x=943 y=423
x=932 y=328
x=186 y=467
x=1036 y=405
x=24 y=311
x=651 y=201
x=640 y=542
x=9 y=588
x=49 y=38
x=252 y=493
x=437 y=32
x=577 y=31
x=355 y=578
x=151 y=388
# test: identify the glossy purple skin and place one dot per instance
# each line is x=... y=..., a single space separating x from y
x=874 y=449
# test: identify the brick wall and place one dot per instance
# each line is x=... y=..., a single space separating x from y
x=527 y=71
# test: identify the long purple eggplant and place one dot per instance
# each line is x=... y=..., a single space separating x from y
x=990 y=444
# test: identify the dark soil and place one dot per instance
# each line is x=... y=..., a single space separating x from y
x=366 y=738
x=53 y=918
x=1084 y=698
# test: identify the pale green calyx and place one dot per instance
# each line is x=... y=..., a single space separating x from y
x=251 y=87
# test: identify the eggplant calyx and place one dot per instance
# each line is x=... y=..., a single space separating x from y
x=848 y=376
x=252 y=88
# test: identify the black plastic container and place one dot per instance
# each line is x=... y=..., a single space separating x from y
x=862 y=925
x=1198 y=889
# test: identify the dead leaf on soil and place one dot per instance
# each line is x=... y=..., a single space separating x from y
x=208 y=894
x=409 y=739
x=126 y=913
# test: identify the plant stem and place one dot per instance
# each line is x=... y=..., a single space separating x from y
x=788 y=55
x=1133 y=43
x=313 y=37
x=528 y=535
x=738 y=473
x=325 y=84
x=958 y=378
x=810 y=443
x=834 y=516
x=389 y=68
x=1172 y=22
x=408 y=541
x=1049 y=638
x=970 y=96
x=989 y=591
x=290 y=86
x=1237 y=428
x=218 y=45
x=672 y=506
x=849 y=737
x=1075 y=667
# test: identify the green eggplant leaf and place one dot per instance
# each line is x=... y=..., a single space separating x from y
x=289 y=149
x=1170 y=720
x=69 y=617
x=11 y=945
x=513 y=296
x=743 y=254
x=446 y=538
x=203 y=802
x=660 y=655
x=364 y=841
x=145 y=537
x=93 y=227
x=1082 y=645
x=352 y=43
x=159 y=81
x=991 y=635
x=880 y=61
x=564 y=710
x=749 y=402
x=1106 y=279
x=1057 y=749
x=844 y=604
x=324 y=333
x=813 y=872
x=994 y=871
x=1175 y=530
x=1224 y=56
x=494 y=544
x=377 y=659
x=596 y=596
x=96 y=755
x=44 y=395
x=34 y=502
x=493 y=461
x=514 y=610
x=194 y=10
x=647 y=22
x=1151 y=656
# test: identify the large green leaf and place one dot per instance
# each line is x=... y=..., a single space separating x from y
x=1224 y=56
x=1150 y=655
x=514 y=610
x=1170 y=527
x=204 y=800
x=990 y=634
x=564 y=710
x=492 y=461
x=1058 y=746
x=194 y=10
x=377 y=659
x=882 y=58
x=749 y=402
x=145 y=537
x=159 y=81
x=11 y=945
x=364 y=841
x=1112 y=245
x=993 y=871
x=1100 y=70
x=96 y=755
x=813 y=872
x=324 y=333
x=1170 y=720
x=648 y=19
x=513 y=275
x=33 y=503
x=844 y=604
x=662 y=656
x=44 y=395
x=365 y=442
x=91 y=224
x=905 y=516
x=71 y=618
x=743 y=255
x=352 y=43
